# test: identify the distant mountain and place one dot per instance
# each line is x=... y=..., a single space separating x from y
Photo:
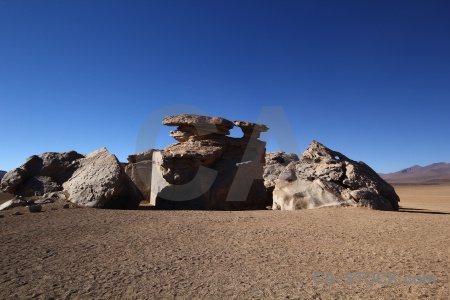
x=2 y=173
x=433 y=174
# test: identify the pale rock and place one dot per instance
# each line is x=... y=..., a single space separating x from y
x=101 y=181
x=324 y=177
x=16 y=202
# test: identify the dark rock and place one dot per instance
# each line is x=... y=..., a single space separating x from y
x=35 y=208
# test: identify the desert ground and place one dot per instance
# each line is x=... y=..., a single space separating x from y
x=81 y=253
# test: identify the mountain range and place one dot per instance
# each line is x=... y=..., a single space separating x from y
x=438 y=173
x=2 y=173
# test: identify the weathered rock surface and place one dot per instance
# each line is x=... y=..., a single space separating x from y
x=101 y=181
x=324 y=177
x=276 y=162
x=200 y=127
x=206 y=169
x=94 y=180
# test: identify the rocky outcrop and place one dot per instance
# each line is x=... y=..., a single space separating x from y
x=207 y=169
x=94 y=180
x=276 y=162
x=324 y=177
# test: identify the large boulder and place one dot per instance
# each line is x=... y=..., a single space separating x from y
x=94 y=180
x=101 y=181
x=324 y=177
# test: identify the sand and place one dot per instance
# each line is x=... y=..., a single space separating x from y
x=87 y=253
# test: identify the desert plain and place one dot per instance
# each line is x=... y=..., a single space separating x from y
x=81 y=253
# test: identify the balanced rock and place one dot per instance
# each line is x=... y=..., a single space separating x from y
x=199 y=127
x=324 y=177
x=205 y=170
x=251 y=130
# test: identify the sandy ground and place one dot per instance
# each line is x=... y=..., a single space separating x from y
x=91 y=254
x=425 y=197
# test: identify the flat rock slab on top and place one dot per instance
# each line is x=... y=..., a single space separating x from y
x=250 y=129
x=190 y=125
x=191 y=119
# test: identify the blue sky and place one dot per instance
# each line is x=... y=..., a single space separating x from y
x=370 y=79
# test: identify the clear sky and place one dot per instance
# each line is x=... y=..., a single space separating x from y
x=370 y=79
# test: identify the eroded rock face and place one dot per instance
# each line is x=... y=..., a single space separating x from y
x=276 y=162
x=94 y=180
x=324 y=177
x=207 y=169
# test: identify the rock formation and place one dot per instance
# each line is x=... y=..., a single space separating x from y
x=94 y=180
x=276 y=162
x=207 y=169
x=324 y=177
x=198 y=127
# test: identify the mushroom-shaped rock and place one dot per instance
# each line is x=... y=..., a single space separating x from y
x=251 y=130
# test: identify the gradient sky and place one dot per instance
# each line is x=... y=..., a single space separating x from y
x=370 y=79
